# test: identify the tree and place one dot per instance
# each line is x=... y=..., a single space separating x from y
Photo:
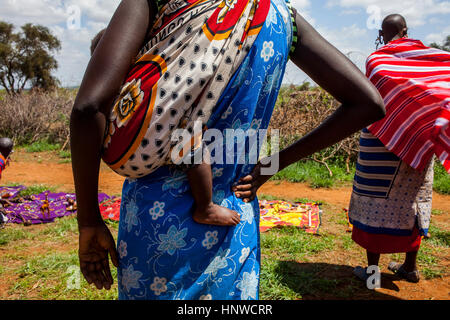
x=26 y=57
x=445 y=46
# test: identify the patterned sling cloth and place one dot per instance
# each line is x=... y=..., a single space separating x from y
x=194 y=49
x=414 y=81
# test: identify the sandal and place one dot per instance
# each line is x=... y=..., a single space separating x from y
x=397 y=269
x=361 y=273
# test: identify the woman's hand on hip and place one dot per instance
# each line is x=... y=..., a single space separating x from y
x=247 y=187
x=95 y=245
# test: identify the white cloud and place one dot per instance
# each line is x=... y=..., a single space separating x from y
x=55 y=14
x=416 y=12
x=350 y=45
x=438 y=37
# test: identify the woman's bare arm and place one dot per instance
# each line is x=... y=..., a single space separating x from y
x=335 y=73
x=330 y=69
x=104 y=76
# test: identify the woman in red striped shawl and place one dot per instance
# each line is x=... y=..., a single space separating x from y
x=390 y=207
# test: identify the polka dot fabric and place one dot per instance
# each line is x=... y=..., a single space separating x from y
x=195 y=48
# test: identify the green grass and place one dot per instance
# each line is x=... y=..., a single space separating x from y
x=439 y=238
x=56 y=276
x=56 y=231
x=8 y=235
x=291 y=280
x=441 y=179
x=41 y=146
x=428 y=260
x=436 y=212
x=12 y=184
x=347 y=242
x=46 y=275
x=281 y=248
x=64 y=154
x=37 y=189
x=295 y=243
x=315 y=174
x=60 y=229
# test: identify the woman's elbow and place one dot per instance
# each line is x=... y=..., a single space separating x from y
x=83 y=111
x=83 y=118
x=375 y=106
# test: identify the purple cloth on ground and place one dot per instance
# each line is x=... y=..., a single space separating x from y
x=31 y=210
x=14 y=190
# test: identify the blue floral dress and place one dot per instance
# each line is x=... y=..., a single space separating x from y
x=163 y=253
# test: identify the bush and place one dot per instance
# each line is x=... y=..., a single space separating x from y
x=36 y=116
x=306 y=110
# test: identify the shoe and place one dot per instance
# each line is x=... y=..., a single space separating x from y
x=361 y=273
x=397 y=269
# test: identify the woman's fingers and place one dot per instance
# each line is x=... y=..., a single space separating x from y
x=107 y=272
x=246 y=179
x=101 y=278
x=250 y=198
x=245 y=194
x=91 y=267
x=243 y=187
x=98 y=274
x=85 y=271
x=244 y=183
x=99 y=281
x=114 y=257
x=93 y=277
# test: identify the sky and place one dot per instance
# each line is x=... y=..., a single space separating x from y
x=350 y=25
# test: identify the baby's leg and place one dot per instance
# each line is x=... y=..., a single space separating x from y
x=206 y=212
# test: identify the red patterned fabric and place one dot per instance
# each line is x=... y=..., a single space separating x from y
x=414 y=81
x=383 y=243
x=2 y=165
x=110 y=209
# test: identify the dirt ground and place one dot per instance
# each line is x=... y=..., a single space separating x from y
x=45 y=168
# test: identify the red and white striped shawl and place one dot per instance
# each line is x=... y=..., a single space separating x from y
x=414 y=81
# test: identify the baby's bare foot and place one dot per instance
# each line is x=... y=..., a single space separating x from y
x=216 y=215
